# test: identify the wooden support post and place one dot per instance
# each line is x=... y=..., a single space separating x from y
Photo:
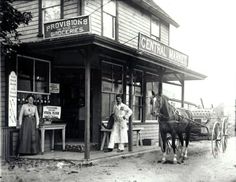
x=87 y=106
x=130 y=134
x=160 y=88
x=182 y=94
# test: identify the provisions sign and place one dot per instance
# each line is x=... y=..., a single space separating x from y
x=66 y=27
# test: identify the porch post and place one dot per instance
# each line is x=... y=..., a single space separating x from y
x=182 y=93
x=130 y=133
x=87 y=106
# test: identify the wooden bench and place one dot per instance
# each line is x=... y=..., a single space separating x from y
x=106 y=134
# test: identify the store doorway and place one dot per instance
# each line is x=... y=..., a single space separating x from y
x=72 y=101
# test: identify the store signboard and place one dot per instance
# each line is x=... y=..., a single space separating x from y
x=12 y=100
x=157 y=48
x=52 y=112
x=67 y=27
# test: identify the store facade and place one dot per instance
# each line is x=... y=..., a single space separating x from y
x=83 y=53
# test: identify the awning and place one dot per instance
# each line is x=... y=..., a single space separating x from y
x=172 y=71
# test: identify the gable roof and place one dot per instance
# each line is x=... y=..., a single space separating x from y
x=152 y=7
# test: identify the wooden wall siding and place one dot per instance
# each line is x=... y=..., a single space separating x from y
x=165 y=33
x=3 y=136
x=70 y=8
x=5 y=147
x=151 y=131
x=29 y=32
x=91 y=6
x=3 y=92
x=131 y=22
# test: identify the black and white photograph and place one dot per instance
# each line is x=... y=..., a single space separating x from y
x=117 y=91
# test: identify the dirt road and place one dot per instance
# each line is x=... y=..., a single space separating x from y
x=200 y=167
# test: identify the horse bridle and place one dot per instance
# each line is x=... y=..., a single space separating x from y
x=162 y=115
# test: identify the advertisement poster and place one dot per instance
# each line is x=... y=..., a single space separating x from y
x=12 y=98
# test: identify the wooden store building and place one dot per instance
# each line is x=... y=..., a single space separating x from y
x=78 y=54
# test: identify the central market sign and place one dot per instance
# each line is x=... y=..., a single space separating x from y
x=157 y=48
x=66 y=27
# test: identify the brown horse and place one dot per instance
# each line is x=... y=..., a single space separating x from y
x=174 y=121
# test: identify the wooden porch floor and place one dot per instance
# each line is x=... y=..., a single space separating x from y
x=94 y=155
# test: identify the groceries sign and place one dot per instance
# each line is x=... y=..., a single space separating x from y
x=157 y=48
x=67 y=27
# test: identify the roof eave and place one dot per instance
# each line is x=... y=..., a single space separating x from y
x=156 y=10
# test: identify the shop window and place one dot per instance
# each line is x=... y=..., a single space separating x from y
x=41 y=77
x=155 y=29
x=112 y=80
x=109 y=18
x=25 y=74
x=150 y=86
x=137 y=105
x=33 y=75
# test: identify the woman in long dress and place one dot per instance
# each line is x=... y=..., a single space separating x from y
x=28 y=122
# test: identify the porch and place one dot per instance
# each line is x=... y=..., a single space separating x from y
x=95 y=156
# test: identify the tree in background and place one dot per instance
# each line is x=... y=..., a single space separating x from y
x=10 y=20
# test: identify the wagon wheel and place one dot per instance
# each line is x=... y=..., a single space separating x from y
x=215 y=139
x=224 y=135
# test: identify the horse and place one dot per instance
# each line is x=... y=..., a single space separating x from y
x=173 y=121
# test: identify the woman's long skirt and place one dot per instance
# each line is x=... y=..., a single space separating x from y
x=29 y=137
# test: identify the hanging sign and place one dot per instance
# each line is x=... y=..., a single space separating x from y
x=12 y=100
x=157 y=48
x=66 y=27
x=52 y=112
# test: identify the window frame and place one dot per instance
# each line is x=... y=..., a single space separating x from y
x=34 y=77
x=111 y=94
x=148 y=74
x=41 y=15
x=114 y=20
x=152 y=35
x=140 y=96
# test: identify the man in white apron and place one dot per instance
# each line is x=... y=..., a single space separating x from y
x=119 y=131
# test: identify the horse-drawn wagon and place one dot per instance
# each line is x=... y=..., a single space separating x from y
x=180 y=123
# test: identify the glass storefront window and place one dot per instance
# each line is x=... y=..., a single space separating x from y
x=41 y=77
x=150 y=86
x=138 y=95
x=33 y=75
x=112 y=84
x=25 y=74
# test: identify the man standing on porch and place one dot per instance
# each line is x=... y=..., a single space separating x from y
x=119 y=131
